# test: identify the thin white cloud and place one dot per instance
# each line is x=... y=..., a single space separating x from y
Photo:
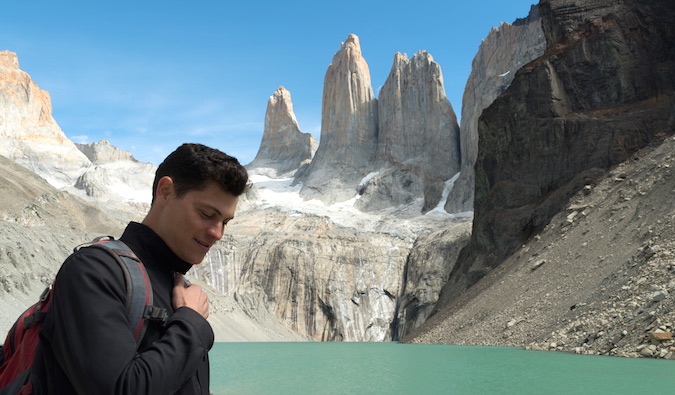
x=80 y=139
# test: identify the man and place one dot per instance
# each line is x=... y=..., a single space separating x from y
x=87 y=345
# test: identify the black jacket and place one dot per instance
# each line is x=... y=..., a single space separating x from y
x=87 y=344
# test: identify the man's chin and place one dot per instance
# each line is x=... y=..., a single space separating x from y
x=194 y=259
x=197 y=262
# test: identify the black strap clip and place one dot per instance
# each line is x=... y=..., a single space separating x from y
x=158 y=314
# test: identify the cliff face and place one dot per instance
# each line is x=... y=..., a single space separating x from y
x=430 y=261
x=28 y=133
x=418 y=136
x=602 y=90
x=505 y=50
x=348 y=128
x=328 y=282
x=284 y=148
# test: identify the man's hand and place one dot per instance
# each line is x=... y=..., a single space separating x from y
x=190 y=295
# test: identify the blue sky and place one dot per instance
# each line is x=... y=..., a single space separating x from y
x=150 y=75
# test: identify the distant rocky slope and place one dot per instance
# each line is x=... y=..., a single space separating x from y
x=284 y=148
x=598 y=279
x=101 y=152
x=115 y=176
x=31 y=137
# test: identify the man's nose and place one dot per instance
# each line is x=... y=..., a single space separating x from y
x=215 y=231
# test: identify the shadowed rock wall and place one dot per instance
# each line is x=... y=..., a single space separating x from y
x=505 y=50
x=602 y=90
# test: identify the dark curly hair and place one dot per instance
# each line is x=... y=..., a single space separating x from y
x=193 y=166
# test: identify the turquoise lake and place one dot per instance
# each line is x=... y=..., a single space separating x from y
x=392 y=368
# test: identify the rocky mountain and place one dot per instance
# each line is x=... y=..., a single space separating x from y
x=284 y=148
x=506 y=49
x=396 y=151
x=598 y=279
x=428 y=265
x=115 y=176
x=32 y=138
x=571 y=242
x=602 y=90
x=418 y=137
x=101 y=152
x=348 y=129
x=325 y=281
x=28 y=133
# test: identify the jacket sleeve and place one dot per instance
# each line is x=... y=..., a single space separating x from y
x=93 y=341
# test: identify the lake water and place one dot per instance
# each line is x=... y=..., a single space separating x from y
x=392 y=368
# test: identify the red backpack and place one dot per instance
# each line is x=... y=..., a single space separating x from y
x=18 y=352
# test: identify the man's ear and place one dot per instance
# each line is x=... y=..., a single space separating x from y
x=164 y=189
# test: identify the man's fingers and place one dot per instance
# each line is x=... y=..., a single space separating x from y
x=186 y=295
x=180 y=280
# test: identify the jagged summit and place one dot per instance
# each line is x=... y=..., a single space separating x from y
x=9 y=60
x=392 y=151
x=100 y=152
x=284 y=148
x=418 y=136
x=348 y=128
x=28 y=133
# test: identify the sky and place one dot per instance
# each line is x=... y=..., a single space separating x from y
x=151 y=75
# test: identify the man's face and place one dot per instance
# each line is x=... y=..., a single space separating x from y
x=190 y=225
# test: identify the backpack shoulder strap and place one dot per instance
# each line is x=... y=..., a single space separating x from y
x=138 y=287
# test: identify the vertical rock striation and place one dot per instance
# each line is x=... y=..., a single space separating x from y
x=348 y=129
x=417 y=133
x=324 y=281
x=284 y=148
x=28 y=133
x=427 y=267
x=602 y=90
x=505 y=50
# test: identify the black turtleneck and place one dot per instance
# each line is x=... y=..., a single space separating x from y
x=151 y=248
x=87 y=344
